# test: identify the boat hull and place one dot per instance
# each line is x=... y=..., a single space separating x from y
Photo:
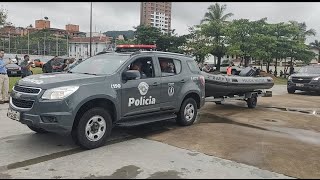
x=222 y=85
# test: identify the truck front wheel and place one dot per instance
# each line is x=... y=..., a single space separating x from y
x=93 y=129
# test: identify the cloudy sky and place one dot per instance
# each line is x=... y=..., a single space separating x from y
x=125 y=15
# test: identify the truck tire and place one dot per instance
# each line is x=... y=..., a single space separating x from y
x=37 y=130
x=93 y=129
x=252 y=102
x=291 y=90
x=188 y=112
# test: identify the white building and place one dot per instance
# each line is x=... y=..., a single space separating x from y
x=160 y=20
x=80 y=47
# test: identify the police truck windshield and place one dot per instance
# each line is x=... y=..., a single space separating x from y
x=100 y=65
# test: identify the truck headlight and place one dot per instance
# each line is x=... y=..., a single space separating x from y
x=316 y=78
x=289 y=78
x=59 y=93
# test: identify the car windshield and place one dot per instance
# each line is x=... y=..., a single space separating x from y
x=310 y=70
x=101 y=64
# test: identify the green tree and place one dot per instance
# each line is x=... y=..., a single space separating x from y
x=3 y=17
x=196 y=45
x=213 y=28
x=216 y=13
x=316 y=45
x=171 y=42
x=145 y=34
x=128 y=41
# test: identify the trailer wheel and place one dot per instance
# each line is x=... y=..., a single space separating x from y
x=252 y=102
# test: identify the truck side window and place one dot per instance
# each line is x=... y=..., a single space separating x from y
x=144 y=65
x=168 y=66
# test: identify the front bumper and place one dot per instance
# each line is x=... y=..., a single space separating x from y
x=52 y=116
x=312 y=86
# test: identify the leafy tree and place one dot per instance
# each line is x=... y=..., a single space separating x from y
x=196 y=45
x=216 y=13
x=147 y=34
x=316 y=45
x=3 y=17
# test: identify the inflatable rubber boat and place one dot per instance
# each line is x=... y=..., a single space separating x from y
x=219 y=85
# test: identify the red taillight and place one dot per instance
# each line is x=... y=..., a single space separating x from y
x=202 y=80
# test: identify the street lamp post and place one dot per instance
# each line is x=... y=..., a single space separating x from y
x=28 y=42
x=91 y=29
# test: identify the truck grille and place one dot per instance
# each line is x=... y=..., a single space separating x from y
x=27 y=90
x=301 y=80
x=22 y=103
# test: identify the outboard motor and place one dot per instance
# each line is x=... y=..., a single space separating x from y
x=248 y=71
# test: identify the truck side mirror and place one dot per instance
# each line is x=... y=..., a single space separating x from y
x=131 y=75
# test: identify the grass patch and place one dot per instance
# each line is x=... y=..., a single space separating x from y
x=36 y=70
x=14 y=80
x=280 y=81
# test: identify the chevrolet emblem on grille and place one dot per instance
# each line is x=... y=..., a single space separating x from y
x=300 y=79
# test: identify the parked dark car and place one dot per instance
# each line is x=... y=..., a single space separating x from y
x=13 y=70
x=306 y=79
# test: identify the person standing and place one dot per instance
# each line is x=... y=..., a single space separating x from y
x=4 y=79
x=65 y=65
x=25 y=66
x=229 y=70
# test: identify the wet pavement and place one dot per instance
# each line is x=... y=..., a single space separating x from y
x=282 y=134
x=228 y=141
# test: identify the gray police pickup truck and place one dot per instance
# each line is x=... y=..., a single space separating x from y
x=108 y=90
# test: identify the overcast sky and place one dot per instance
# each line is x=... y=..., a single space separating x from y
x=124 y=15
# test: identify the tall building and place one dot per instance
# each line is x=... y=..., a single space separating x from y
x=156 y=14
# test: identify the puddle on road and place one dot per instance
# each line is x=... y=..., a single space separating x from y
x=165 y=175
x=126 y=172
x=309 y=111
x=307 y=136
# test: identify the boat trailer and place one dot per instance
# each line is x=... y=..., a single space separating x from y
x=250 y=97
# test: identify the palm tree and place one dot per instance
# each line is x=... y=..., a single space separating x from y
x=216 y=13
x=216 y=20
x=316 y=45
x=303 y=32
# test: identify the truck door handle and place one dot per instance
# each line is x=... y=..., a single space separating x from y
x=183 y=81
x=155 y=84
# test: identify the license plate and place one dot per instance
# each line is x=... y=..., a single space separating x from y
x=13 y=72
x=13 y=115
x=299 y=85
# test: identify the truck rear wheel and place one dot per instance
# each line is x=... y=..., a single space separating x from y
x=94 y=128
x=188 y=112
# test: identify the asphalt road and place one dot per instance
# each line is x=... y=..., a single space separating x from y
x=142 y=152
